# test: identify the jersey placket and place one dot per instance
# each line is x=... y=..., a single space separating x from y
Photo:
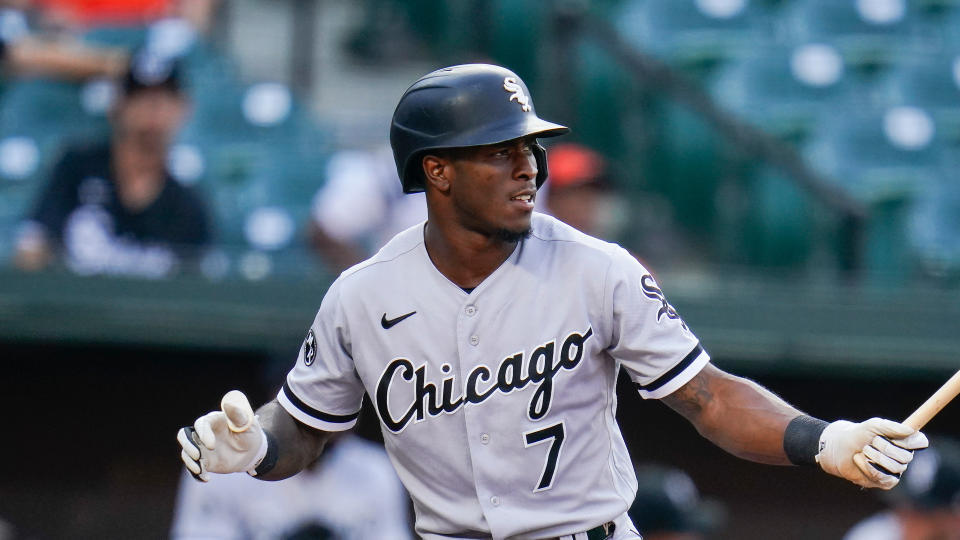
x=477 y=417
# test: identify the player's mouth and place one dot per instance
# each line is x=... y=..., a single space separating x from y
x=524 y=199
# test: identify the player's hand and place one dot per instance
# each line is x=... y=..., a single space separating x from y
x=871 y=454
x=225 y=441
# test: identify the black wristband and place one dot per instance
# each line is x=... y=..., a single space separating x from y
x=801 y=439
x=270 y=459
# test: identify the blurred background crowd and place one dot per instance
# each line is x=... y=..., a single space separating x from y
x=181 y=179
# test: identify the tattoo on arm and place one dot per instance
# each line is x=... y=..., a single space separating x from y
x=737 y=414
x=692 y=398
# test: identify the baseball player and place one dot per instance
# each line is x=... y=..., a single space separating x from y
x=489 y=339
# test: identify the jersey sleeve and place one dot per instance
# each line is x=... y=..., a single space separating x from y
x=323 y=389
x=649 y=338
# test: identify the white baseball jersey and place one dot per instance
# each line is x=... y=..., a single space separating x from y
x=497 y=405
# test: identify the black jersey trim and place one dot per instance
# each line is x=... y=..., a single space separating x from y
x=674 y=371
x=319 y=415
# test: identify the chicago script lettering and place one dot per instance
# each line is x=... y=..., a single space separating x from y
x=542 y=365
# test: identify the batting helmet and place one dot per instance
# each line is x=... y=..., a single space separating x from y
x=459 y=106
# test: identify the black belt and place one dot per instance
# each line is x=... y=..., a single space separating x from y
x=600 y=532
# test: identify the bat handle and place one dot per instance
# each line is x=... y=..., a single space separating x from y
x=934 y=403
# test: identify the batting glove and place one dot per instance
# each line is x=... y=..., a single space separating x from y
x=871 y=454
x=226 y=441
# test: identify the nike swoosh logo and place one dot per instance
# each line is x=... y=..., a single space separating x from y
x=390 y=323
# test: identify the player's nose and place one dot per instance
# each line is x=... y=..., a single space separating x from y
x=525 y=168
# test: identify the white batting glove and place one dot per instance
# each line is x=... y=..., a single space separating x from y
x=226 y=441
x=871 y=454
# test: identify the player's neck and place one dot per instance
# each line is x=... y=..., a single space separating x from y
x=465 y=258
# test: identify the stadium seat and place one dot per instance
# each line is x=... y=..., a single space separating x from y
x=515 y=33
x=129 y=37
x=780 y=225
x=694 y=35
x=781 y=90
x=949 y=25
x=934 y=225
x=870 y=34
x=931 y=82
x=885 y=158
x=47 y=111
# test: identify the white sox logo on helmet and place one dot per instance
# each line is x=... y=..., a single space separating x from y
x=542 y=365
x=510 y=84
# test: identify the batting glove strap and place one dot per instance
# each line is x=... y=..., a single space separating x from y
x=262 y=452
x=801 y=440
x=271 y=454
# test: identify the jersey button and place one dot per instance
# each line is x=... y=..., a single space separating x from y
x=470 y=311
x=495 y=500
x=484 y=438
x=474 y=340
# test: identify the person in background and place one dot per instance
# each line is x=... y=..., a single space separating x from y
x=362 y=499
x=578 y=191
x=926 y=503
x=360 y=207
x=112 y=207
x=668 y=506
x=87 y=14
x=24 y=53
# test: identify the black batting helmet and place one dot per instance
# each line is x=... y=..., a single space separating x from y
x=466 y=105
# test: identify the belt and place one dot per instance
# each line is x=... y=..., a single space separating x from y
x=601 y=532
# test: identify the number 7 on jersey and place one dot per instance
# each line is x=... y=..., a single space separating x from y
x=532 y=438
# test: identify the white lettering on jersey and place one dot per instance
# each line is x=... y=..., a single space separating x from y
x=541 y=367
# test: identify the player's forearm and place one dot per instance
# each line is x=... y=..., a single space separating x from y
x=295 y=444
x=736 y=414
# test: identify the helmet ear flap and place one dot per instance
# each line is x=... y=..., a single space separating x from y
x=540 y=154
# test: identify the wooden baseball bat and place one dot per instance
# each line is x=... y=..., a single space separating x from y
x=935 y=403
x=925 y=412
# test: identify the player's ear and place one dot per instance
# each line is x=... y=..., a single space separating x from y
x=437 y=172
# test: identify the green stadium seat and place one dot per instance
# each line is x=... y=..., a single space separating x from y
x=781 y=90
x=780 y=227
x=948 y=27
x=869 y=35
x=934 y=226
x=129 y=37
x=48 y=111
x=930 y=82
x=886 y=159
x=515 y=33
x=694 y=35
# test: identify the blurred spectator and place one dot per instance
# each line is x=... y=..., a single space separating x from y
x=350 y=493
x=92 y=13
x=113 y=207
x=668 y=507
x=926 y=503
x=361 y=206
x=23 y=53
x=577 y=190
